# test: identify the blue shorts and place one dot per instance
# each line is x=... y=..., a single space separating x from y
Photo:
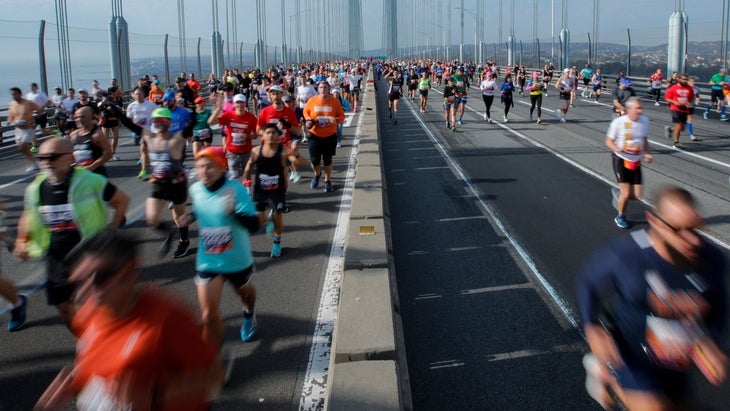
x=649 y=378
x=461 y=100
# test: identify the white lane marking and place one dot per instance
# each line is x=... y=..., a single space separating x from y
x=549 y=289
x=348 y=119
x=314 y=389
x=427 y=296
x=469 y=248
x=654 y=142
x=449 y=220
x=591 y=172
x=16 y=181
x=531 y=353
x=496 y=288
x=419 y=252
x=430 y=168
x=445 y=364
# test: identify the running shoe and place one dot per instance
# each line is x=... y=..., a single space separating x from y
x=656 y=103
x=395 y=121
x=693 y=138
x=34 y=149
x=115 y=157
x=489 y=120
x=723 y=117
x=563 y=120
x=328 y=187
x=620 y=221
x=458 y=122
x=143 y=175
x=183 y=248
x=339 y=145
x=706 y=115
x=248 y=328
x=276 y=250
x=448 y=125
x=678 y=145
x=31 y=168
x=295 y=177
x=485 y=117
x=539 y=120
x=505 y=119
x=315 y=181
x=17 y=314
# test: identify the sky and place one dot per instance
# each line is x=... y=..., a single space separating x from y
x=647 y=18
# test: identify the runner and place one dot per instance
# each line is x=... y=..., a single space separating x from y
x=240 y=126
x=681 y=98
x=462 y=85
x=322 y=114
x=226 y=216
x=507 y=89
x=202 y=134
x=20 y=115
x=91 y=148
x=564 y=85
x=138 y=348
x=140 y=111
x=586 y=74
x=597 y=83
x=423 y=86
x=395 y=92
x=534 y=87
x=269 y=189
x=18 y=302
x=450 y=104
x=64 y=205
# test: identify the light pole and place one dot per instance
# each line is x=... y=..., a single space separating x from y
x=474 y=16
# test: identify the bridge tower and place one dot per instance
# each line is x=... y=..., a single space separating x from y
x=354 y=28
x=677 y=41
x=390 y=28
x=119 y=47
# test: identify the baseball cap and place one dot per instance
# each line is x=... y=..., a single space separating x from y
x=216 y=154
x=336 y=90
x=157 y=82
x=566 y=70
x=162 y=113
x=239 y=97
x=199 y=100
x=275 y=88
x=169 y=96
x=83 y=90
x=626 y=82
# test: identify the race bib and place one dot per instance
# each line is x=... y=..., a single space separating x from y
x=238 y=139
x=83 y=157
x=95 y=397
x=323 y=121
x=202 y=133
x=460 y=84
x=267 y=182
x=669 y=343
x=57 y=217
x=217 y=240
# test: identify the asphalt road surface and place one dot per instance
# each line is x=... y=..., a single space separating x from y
x=490 y=224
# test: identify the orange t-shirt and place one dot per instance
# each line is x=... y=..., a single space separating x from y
x=156 y=95
x=158 y=340
x=326 y=114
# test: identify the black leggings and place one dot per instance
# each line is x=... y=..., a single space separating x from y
x=488 y=103
x=508 y=103
x=536 y=100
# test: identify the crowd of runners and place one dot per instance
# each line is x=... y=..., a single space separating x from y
x=236 y=184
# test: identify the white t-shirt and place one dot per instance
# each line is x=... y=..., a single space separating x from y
x=488 y=86
x=39 y=97
x=304 y=93
x=141 y=113
x=68 y=104
x=629 y=136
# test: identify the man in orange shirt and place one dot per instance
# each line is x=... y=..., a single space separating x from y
x=194 y=84
x=138 y=348
x=322 y=114
x=156 y=93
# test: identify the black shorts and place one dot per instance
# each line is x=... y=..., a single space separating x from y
x=42 y=119
x=355 y=91
x=58 y=289
x=274 y=199
x=175 y=192
x=565 y=95
x=322 y=147
x=586 y=82
x=110 y=123
x=716 y=95
x=678 y=117
x=412 y=87
x=424 y=93
x=623 y=174
x=238 y=279
x=393 y=96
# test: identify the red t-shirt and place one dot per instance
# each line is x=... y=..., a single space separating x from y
x=681 y=94
x=157 y=341
x=237 y=130
x=270 y=115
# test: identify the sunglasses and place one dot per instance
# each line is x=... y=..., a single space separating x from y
x=50 y=157
x=677 y=230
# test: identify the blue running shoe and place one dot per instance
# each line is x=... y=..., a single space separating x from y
x=328 y=187
x=248 y=328
x=315 y=182
x=620 y=221
x=276 y=250
x=17 y=314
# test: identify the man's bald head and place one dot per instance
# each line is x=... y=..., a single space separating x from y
x=55 y=145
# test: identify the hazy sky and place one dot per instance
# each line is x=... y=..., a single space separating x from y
x=646 y=18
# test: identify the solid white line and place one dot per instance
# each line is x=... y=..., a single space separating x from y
x=445 y=364
x=549 y=289
x=531 y=353
x=16 y=181
x=314 y=389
